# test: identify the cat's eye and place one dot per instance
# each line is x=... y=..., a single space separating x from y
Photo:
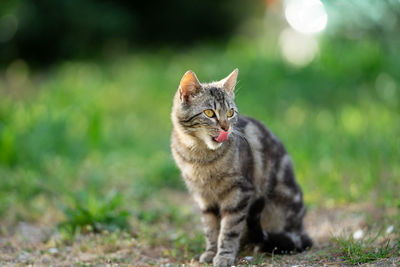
x=209 y=113
x=230 y=113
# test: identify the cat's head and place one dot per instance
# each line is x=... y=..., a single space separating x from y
x=205 y=112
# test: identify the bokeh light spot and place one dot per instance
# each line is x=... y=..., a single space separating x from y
x=297 y=49
x=17 y=73
x=352 y=120
x=306 y=16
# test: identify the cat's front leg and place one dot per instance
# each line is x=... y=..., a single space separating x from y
x=233 y=222
x=211 y=224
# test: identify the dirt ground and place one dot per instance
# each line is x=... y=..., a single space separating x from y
x=39 y=245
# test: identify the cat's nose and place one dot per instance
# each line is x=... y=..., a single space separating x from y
x=224 y=126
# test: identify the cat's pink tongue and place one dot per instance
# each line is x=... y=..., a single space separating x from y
x=222 y=137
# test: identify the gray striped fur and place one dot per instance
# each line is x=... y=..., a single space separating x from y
x=245 y=186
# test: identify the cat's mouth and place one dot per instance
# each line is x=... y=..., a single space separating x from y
x=222 y=137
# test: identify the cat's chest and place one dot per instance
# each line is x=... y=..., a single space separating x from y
x=207 y=182
x=202 y=170
x=200 y=175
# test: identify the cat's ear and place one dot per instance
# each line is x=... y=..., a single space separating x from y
x=229 y=82
x=189 y=85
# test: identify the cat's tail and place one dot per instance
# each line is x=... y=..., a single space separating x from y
x=296 y=240
x=285 y=242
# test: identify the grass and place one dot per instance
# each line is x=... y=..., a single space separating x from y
x=92 y=213
x=81 y=128
x=376 y=241
x=365 y=251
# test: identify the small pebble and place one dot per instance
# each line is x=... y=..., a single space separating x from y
x=358 y=234
x=248 y=258
x=53 y=250
x=389 y=229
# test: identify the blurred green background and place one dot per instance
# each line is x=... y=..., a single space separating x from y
x=86 y=89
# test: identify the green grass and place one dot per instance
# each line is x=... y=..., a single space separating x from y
x=89 y=212
x=366 y=250
x=91 y=126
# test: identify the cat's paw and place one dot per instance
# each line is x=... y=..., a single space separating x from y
x=207 y=257
x=223 y=261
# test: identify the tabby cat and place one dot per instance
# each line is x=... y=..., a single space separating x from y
x=238 y=172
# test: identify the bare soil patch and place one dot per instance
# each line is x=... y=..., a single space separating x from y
x=38 y=244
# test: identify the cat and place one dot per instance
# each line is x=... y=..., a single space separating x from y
x=238 y=172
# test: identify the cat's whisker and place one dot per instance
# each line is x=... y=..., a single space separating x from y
x=237 y=89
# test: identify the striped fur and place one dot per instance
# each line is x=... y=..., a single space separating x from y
x=245 y=186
